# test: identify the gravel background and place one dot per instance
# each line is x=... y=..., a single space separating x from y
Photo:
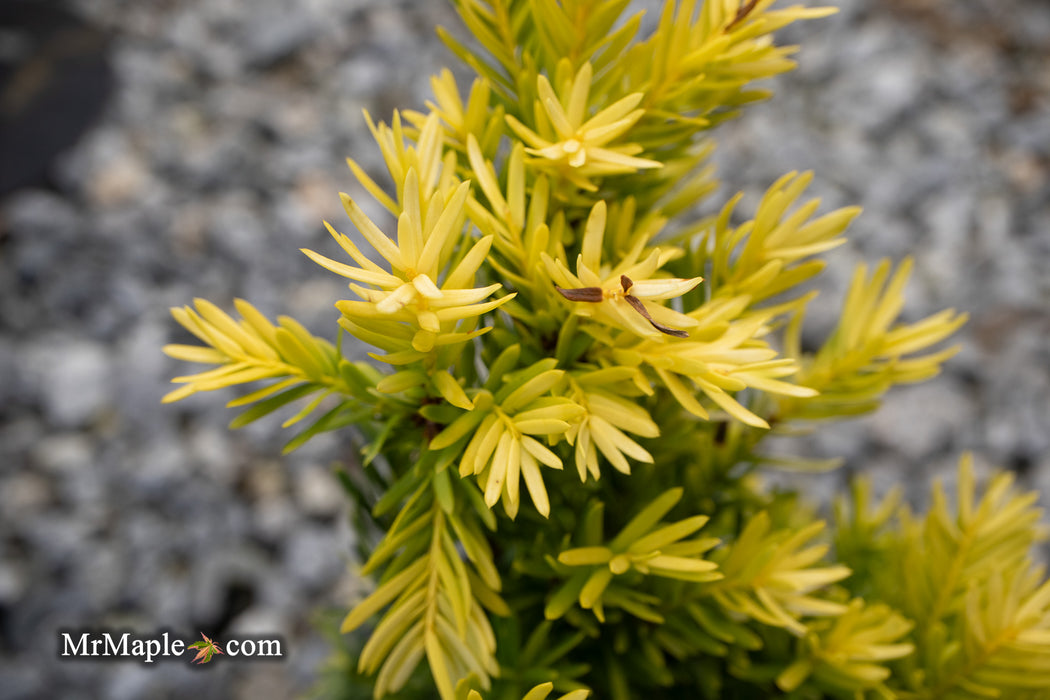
x=218 y=154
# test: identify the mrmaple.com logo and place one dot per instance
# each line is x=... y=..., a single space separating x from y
x=101 y=645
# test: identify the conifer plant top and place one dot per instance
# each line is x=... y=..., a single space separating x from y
x=562 y=422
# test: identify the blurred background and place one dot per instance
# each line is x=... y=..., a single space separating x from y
x=153 y=151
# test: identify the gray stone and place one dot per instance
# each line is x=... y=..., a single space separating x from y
x=211 y=447
x=318 y=492
x=274 y=518
x=312 y=554
x=59 y=538
x=220 y=568
x=131 y=683
x=13 y=582
x=268 y=38
x=101 y=576
x=917 y=420
x=24 y=494
x=22 y=682
x=260 y=621
x=75 y=379
x=45 y=216
x=17 y=440
x=65 y=453
x=223 y=148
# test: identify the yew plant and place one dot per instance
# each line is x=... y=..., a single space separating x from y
x=562 y=424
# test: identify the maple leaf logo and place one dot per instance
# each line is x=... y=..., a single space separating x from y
x=205 y=650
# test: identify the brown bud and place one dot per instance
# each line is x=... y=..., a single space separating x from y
x=638 y=306
x=591 y=294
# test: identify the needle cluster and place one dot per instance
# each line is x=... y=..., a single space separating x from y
x=562 y=421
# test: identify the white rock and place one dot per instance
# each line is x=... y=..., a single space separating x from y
x=318 y=491
x=74 y=378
